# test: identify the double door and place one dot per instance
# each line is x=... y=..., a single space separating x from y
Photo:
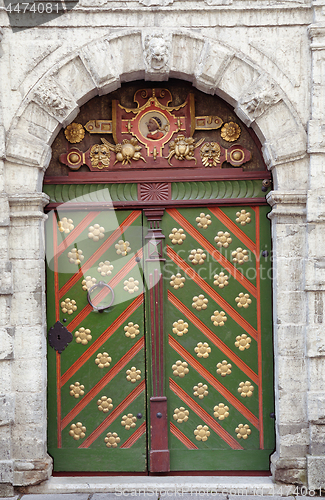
x=160 y=339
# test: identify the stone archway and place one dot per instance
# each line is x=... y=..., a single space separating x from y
x=98 y=68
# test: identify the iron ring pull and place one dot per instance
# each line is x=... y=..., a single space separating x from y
x=101 y=284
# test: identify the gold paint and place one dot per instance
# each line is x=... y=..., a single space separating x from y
x=126 y=151
x=200 y=390
x=131 y=285
x=183 y=148
x=203 y=221
x=181 y=415
x=77 y=390
x=77 y=431
x=246 y=389
x=199 y=302
x=105 y=404
x=237 y=155
x=210 y=154
x=112 y=440
x=219 y=318
x=230 y=131
x=202 y=433
x=122 y=248
x=197 y=256
x=180 y=327
x=68 y=306
x=177 y=236
x=243 y=217
x=74 y=158
x=96 y=232
x=129 y=421
x=202 y=350
x=243 y=342
x=221 y=280
x=83 y=335
x=75 y=256
x=131 y=330
x=243 y=431
x=209 y=122
x=105 y=268
x=155 y=153
x=239 y=256
x=177 y=281
x=243 y=300
x=221 y=411
x=100 y=156
x=65 y=225
x=180 y=369
x=133 y=375
x=224 y=368
x=103 y=360
x=223 y=239
x=88 y=282
x=74 y=133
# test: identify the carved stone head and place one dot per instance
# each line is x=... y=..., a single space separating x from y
x=156 y=52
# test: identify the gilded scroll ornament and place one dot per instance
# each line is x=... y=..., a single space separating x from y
x=181 y=415
x=65 y=225
x=246 y=389
x=96 y=232
x=183 y=148
x=77 y=390
x=177 y=281
x=105 y=268
x=224 y=368
x=74 y=133
x=197 y=256
x=77 y=431
x=68 y=306
x=75 y=256
x=177 y=236
x=104 y=404
x=243 y=217
x=243 y=342
x=88 y=282
x=112 y=440
x=83 y=335
x=230 y=131
x=131 y=330
x=210 y=154
x=200 y=390
x=180 y=327
x=202 y=433
x=103 y=360
x=133 y=375
x=131 y=285
x=128 y=421
x=180 y=369
x=203 y=221
x=221 y=280
x=243 y=431
x=122 y=248
x=243 y=300
x=239 y=256
x=223 y=239
x=202 y=350
x=125 y=152
x=100 y=156
x=219 y=318
x=221 y=411
x=199 y=302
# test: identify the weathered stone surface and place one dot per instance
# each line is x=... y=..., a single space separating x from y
x=316 y=468
x=33 y=471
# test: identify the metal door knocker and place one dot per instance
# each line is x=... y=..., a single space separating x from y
x=100 y=284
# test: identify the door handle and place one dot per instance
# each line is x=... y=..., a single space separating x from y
x=100 y=284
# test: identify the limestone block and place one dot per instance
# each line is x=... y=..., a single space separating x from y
x=26 y=149
x=7 y=489
x=28 y=275
x=315 y=205
x=211 y=66
x=26 y=241
x=39 y=123
x=5 y=305
x=4 y=243
x=291 y=307
x=237 y=77
x=30 y=408
x=316 y=407
x=28 y=308
x=186 y=51
x=29 y=375
x=292 y=175
x=6 y=471
x=260 y=96
x=5 y=443
x=316 y=136
x=288 y=207
x=294 y=440
x=30 y=341
x=6 y=344
x=5 y=376
x=5 y=277
x=32 y=471
x=315 y=335
x=318 y=97
x=7 y=408
x=156 y=52
x=99 y=61
x=317 y=373
x=29 y=441
x=290 y=339
x=315 y=471
x=2 y=141
x=4 y=210
x=292 y=404
x=317 y=439
x=22 y=179
x=288 y=273
x=131 y=66
x=318 y=67
x=75 y=77
x=290 y=240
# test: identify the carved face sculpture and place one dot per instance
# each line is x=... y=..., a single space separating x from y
x=99 y=156
x=210 y=154
x=157 y=53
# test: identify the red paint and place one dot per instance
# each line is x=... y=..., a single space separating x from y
x=159 y=452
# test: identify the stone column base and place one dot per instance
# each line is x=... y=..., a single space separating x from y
x=27 y=472
x=289 y=470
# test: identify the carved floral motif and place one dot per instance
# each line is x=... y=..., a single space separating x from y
x=128 y=421
x=177 y=281
x=246 y=389
x=103 y=360
x=133 y=375
x=202 y=350
x=243 y=342
x=131 y=330
x=243 y=300
x=221 y=280
x=177 y=236
x=74 y=133
x=104 y=404
x=197 y=256
x=230 y=131
x=181 y=415
x=83 y=335
x=224 y=368
x=131 y=285
x=221 y=411
x=77 y=431
x=203 y=221
x=77 y=390
x=200 y=390
x=180 y=369
x=112 y=440
x=223 y=239
x=65 y=225
x=239 y=256
x=122 y=248
x=202 y=433
x=75 y=256
x=180 y=327
x=96 y=232
x=88 y=282
x=105 y=268
x=219 y=318
x=243 y=431
x=68 y=306
x=200 y=302
x=243 y=217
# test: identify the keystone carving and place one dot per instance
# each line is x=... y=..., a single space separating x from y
x=49 y=95
x=156 y=52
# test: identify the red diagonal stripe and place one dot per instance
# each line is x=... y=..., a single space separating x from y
x=212 y=250
x=207 y=419
x=68 y=240
x=135 y=436
x=234 y=228
x=213 y=294
x=101 y=339
x=114 y=415
x=213 y=338
x=181 y=437
x=213 y=381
